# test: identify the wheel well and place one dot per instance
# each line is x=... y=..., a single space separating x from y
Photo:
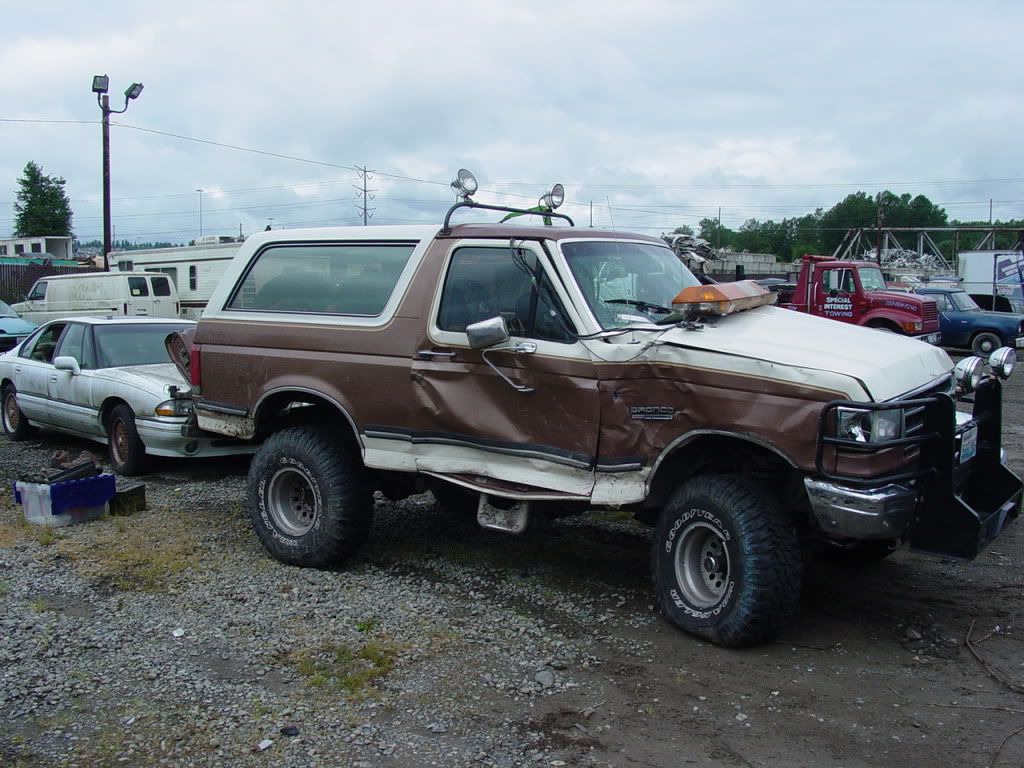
x=887 y=324
x=977 y=333
x=108 y=408
x=291 y=408
x=723 y=454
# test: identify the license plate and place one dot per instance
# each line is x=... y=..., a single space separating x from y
x=968 y=444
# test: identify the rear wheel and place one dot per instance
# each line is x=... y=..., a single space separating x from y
x=984 y=344
x=725 y=566
x=16 y=426
x=309 y=501
x=127 y=452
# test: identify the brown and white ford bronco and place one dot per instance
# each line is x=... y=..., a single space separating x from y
x=545 y=369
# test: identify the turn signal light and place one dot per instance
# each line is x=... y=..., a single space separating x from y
x=722 y=298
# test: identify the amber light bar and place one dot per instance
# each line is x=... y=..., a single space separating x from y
x=722 y=298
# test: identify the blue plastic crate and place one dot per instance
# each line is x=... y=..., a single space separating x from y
x=67 y=502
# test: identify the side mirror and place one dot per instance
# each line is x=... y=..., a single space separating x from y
x=64 y=363
x=487 y=333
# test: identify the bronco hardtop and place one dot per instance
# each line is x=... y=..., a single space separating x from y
x=535 y=370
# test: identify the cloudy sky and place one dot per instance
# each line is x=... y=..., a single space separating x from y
x=655 y=112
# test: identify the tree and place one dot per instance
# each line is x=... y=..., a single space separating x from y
x=683 y=230
x=42 y=207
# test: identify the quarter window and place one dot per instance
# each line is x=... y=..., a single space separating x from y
x=342 y=278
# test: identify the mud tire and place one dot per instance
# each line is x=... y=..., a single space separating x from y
x=16 y=426
x=753 y=583
x=309 y=501
x=984 y=344
x=124 y=446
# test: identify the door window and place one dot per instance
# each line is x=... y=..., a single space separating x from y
x=137 y=286
x=161 y=286
x=71 y=343
x=38 y=292
x=488 y=282
x=42 y=347
x=840 y=280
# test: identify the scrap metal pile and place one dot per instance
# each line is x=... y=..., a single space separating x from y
x=694 y=252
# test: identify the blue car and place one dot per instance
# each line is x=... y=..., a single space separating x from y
x=13 y=329
x=964 y=324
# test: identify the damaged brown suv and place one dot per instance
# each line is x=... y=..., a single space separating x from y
x=538 y=368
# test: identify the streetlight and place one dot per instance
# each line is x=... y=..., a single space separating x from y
x=200 y=191
x=100 y=84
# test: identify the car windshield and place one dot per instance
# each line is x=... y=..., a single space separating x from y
x=626 y=283
x=963 y=302
x=6 y=311
x=871 y=279
x=120 y=345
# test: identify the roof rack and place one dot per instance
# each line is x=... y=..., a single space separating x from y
x=465 y=186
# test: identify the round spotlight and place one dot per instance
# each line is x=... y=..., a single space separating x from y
x=552 y=198
x=968 y=373
x=465 y=183
x=1002 y=361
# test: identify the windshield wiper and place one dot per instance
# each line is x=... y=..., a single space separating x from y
x=644 y=305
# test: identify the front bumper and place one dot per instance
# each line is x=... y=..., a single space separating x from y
x=1018 y=342
x=934 y=338
x=943 y=505
x=169 y=438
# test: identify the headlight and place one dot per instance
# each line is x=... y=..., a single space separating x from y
x=174 y=408
x=912 y=326
x=1002 y=361
x=968 y=373
x=869 y=426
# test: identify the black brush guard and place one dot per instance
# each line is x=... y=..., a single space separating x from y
x=960 y=507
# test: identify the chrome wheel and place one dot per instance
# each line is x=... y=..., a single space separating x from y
x=119 y=441
x=292 y=502
x=12 y=415
x=702 y=565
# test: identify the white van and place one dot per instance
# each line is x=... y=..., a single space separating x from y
x=144 y=294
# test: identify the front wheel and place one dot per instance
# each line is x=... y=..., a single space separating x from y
x=16 y=426
x=309 y=501
x=125 y=447
x=984 y=344
x=726 y=567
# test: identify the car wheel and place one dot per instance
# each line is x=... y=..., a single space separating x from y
x=16 y=426
x=725 y=565
x=309 y=501
x=984 y=344
x=127 y=452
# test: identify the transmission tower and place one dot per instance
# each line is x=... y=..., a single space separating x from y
x=364 y=195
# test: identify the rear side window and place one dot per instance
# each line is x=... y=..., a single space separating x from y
x=137 y=286
x=340 y=278
x=161 y=286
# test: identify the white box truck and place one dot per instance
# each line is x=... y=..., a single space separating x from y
x=994 y=279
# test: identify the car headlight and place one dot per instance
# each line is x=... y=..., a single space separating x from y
x=174 y=408
x=1002 y=361
x=869 y=426
x=968 y=373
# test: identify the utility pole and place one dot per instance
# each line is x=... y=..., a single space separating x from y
x=878 y=228
x=365 y=194
x=718 y=230
x=591 y=214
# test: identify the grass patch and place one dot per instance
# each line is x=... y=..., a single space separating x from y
x=144 y=557
x=365 y=625
x=338 y=667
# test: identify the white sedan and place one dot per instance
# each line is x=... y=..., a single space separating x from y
x=106 y=379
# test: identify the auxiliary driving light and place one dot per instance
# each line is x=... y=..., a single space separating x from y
x=465 y=185
x=1002 y=361
x=553 y=198
x=968 y=373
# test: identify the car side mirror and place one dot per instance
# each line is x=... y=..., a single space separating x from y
x=487 y=333
x=65 y=363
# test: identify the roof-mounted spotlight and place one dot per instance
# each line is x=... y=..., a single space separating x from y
x=1002 y=361
x=968 y=373
x=100 y=83
x=132 y=92
x=553 y=198
x=465 y=185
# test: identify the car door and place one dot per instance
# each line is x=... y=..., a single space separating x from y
x=70 y=394
x=163 y=303
x=140 y=300
x=528 y=417
x=31 y=371
x=954 y=324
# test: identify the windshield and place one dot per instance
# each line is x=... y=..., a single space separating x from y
x=963 y=302
x=626 y=283
x=120 y=345
x=6 y=311
x=871 y=279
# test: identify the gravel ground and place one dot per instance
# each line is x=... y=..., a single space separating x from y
x=170 y=638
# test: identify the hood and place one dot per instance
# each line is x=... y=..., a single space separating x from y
x=886 y=364
x=156 y=377
x=15 y=326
